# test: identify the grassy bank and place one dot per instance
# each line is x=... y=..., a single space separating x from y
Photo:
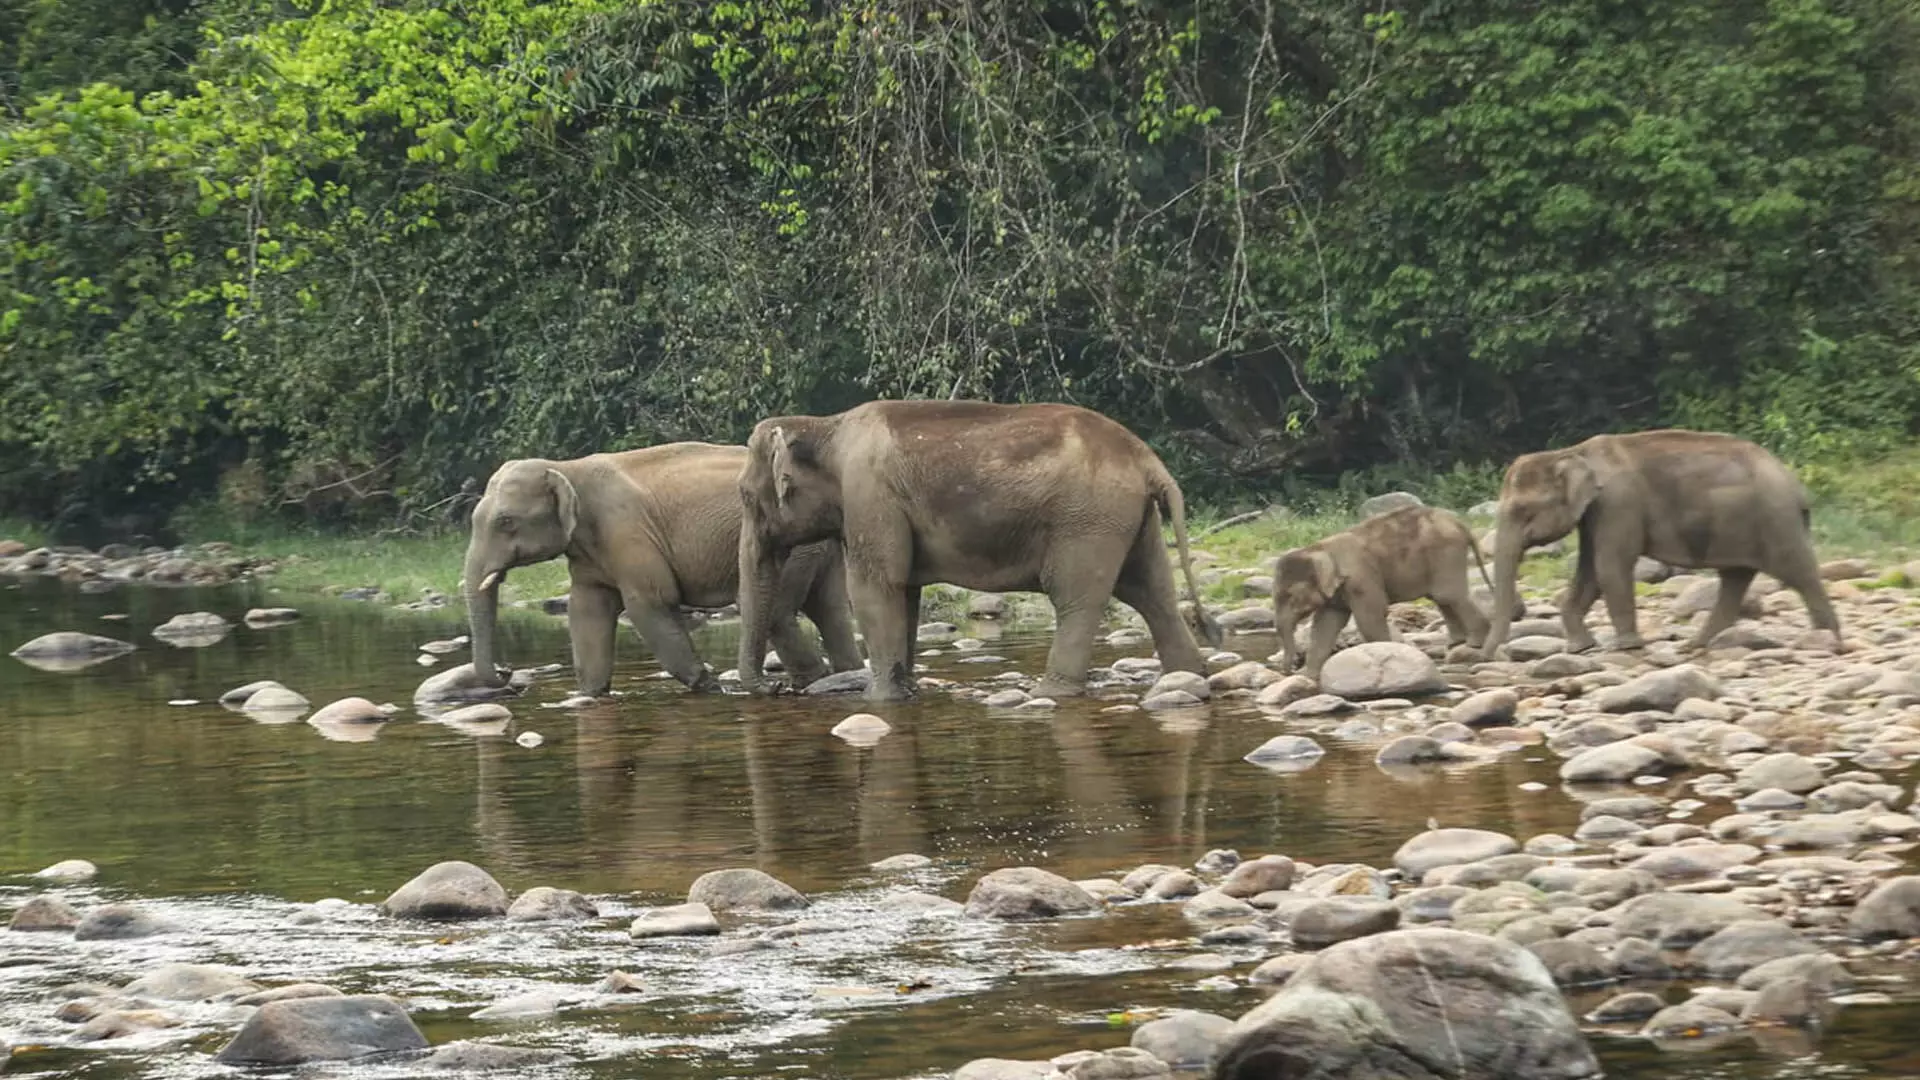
x=1867 y=509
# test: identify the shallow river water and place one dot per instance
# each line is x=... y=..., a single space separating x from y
x=227 y=827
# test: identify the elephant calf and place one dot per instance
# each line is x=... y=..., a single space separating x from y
x=1692 y=499
x=651 y=531
x=1406 y=554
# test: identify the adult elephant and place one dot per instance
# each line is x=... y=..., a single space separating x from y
x=1044 y=498
x=652 y=531
x=1687 y=498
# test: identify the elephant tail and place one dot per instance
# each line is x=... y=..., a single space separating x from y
x=1473 y=545
x=1175 y=504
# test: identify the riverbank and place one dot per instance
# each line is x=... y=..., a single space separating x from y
x=1862 y=510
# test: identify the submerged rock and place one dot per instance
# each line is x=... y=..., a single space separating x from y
x=69 y=870
x=458 y=683
x=117 y=922
x=543 y=904
x=679 y=920
x=861 y=729
x=448 y=890
x=190 y=982
x=465 y=1057
x=44 y=914
x=66 y=650
x=322 y=1029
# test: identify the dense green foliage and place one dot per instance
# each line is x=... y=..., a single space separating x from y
x=344 y=255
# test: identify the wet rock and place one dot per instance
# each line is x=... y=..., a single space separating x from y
x=193 y=628
x=1663 y=690
x=1180 y=682
x=678 y=920
x=900 y=864
x=1626 y=1008
x=1388 y=1005
x=1409 y=750
x=1613 y=763
x=985 y=605
x=1284 y=749
x=70 y=645
x=1268 y=873
x=1319 y=705
x=1344 y=879
x=861 y=729
x=117 y=922
x=1789 y=1002
x=1170 y=699
x=1680 y=920
x=1376 y=669
x=485 y=712
x=1184 y=1039
x=1573 y=963
x=1276 y=970
x=1002 y=699
x=239 y=694
x=1122 y=1063
x=1002 y=1069
x=1106 y=890
x=1891 y=910
x=272 y=616
x=44 y=914
x=1326 y=922
x=277 y=698
x=1603 y=889
x=190 y=982
x=119 y=1023
x=1173 y=886
x=1816 y=968
x=322 y=1029
x=1026 y=892
x=1246 y=675
x=1286 y=691
x=458 y=683
x=840 y=682
x=1217 y=861
x=744 y=890
x=1692 y=862
x=291 y=992
x=532 y=1005
x=464 y=1057
x=620 y=982
x=446 y=891
x=1788 y=772
x=543 y=904
x=1688 y=1021
x=1450 y=847
x=1141 y=878
x=1735 y=949
x=1488 y=708
x=1212 y=904
x=1607 y=827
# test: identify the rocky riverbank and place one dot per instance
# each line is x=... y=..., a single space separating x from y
x=213 y=563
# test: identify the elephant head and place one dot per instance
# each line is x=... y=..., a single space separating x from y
x=1542 y=499
x=790 y=495
x=527 y=515
x=1304 y=581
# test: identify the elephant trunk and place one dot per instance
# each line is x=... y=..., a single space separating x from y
x=1284 y=621
x=481 y=584
x=1509 y=545
x=759 y=581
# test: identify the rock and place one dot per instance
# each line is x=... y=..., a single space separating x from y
x=1607 y=827
x=277 y=698
x=1638 y=958
x=679 y=920
x=1106 y=890
x=1626 y=1008
x=1488 y=708
x=1001 y=699
x=1318 y=705
x=272 y=616
x=1615 y=763
x=1003 y=1069
x=543 y=904
x=1790 y=1002
x=458 y=683
x=924 y=904
x=119 y=1023
x=1268 y=873
x=1846 y=569
x=45 y=914
x=1535 y=647
x=1141 y=878
x=899 y=864
x=1692 y=862
x=292 y=992
x=1891 y=910
x=1663 y=690
x=1278 y=969
x=744 y=890
x=1564 y=666
x=1788 y=772
x=1212 y=904
x=1573 y=963
x=350 y=710
x=1818 y=969
x=1450 y=847
x=1411 y=1005
x=1343 y=918
x=1246 y=675
x=190 y=982
x=1688 y=1021
x=1853 y=795
x=1026 y=892
x=464 y=1056
x=1172 y=886
x=1408 y=750
x=448 y=890
x=117 y=922
x=1181 y=682
x=620 y=982
x=983 y=605
x=239 y=694
x=1285 y=750
x=1122 y=1063
x=322 y=1029
x=66 y=650
x=1767 y=799
x=1184 y=1039
x=1217 y=861
x=1606 y=888
x=1392 y=500
x=1680 y=920
x=486 y=712
x=1375 y=669
x=861 y=729
x=1278 y=695
x=1731 y=951
x=532 y=1005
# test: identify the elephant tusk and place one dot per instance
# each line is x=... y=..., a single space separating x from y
x=488 y=582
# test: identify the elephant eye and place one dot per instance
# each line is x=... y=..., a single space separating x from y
x=505 y=521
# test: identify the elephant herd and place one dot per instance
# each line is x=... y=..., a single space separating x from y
x=845 y=518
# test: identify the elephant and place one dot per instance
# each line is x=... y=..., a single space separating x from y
x=1694 y=499
x=1394 y=557
x=1049 y=498
x=654 y=531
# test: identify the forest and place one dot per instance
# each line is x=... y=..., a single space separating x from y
x=334 y=260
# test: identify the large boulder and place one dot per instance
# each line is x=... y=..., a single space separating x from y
x=448 y=890
x=744 y=890
x=1184 y=1039
x=1026 y=892
x=1375 y=669
x=1450 y=847
x=1268 y=873
x=680 y=920
x=1427 y=1004
x=322 y=1029
x=458 y=683
x=1342 y=918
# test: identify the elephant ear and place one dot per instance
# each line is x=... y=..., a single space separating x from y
x=1326 y=573
x=1578 y=483
x=788 y=450
x=567 y=500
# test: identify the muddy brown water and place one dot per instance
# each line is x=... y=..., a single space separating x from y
x=226 y=827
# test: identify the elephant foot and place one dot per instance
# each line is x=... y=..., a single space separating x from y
x=1628 y=642
x=704 y=683
x=1058 y=686
x=1581 y=645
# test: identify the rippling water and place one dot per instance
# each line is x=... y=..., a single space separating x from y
x=227 y=827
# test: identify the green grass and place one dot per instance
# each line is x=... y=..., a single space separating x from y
x=26 y=532
x=404 y=566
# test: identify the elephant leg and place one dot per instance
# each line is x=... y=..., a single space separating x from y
x=1327 y=624
x=882 y=610
x=802 y=661
x=1613 y=571
x=1465 y=624
x=592 y=614
x=1726 y=605
x=664 y=633
x=1580 y=597
x=826 y=605
x=1146 y=584
x=1802 y=575
x=1369 y=608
